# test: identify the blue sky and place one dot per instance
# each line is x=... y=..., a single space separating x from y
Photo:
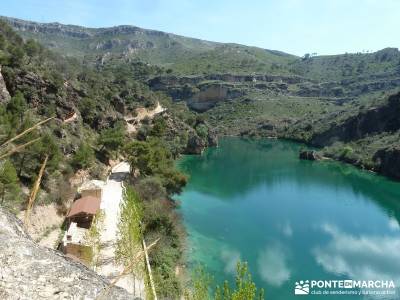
x=293 y=26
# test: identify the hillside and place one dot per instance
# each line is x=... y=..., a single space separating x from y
x=86 y=135
x=181 y=54
x=244 y=90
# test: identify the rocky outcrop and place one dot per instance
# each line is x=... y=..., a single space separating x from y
x=4 y=94
x=195 y=144
x=375 y=120
x=28 y=271
x=210 y=95
x=309 y=155
x=212 y=139
x=388 y=161
x=49 y=28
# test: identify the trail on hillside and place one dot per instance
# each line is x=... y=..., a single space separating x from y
x=111 y=203
x=133 y=123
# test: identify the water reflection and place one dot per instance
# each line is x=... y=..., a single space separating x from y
x=285 y=228
x=230 y=258
x=273 y=266
x=364 y=257
x=256 y=201
x=238 y=166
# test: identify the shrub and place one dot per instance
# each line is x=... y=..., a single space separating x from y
x=83 y=157
x=112 y=139
x=346 y=151
x=151 y=188
x=202 y=131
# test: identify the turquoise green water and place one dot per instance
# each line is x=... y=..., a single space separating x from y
x=291 y=220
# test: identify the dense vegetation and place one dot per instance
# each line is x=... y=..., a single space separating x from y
x=88 y=130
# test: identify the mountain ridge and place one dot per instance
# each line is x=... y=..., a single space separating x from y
x=151 y=46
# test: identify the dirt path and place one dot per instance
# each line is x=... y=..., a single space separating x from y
x=110 y=203
x=142 y=113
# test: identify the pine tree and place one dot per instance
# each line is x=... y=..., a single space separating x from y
x=9 y=187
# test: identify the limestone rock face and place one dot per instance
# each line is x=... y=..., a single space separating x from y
x=28 y=271
x=208 y=97
x=384 y=118
x=388 y=160
x=4 y=95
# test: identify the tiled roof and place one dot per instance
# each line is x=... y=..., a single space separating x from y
x=89 y=205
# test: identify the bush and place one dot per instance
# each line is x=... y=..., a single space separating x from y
x=17 y=107
x=151 y=188
x=174 y=181
x=346 y=151
x=87 y=107
x=202 y=131
x=83 y=157
x=153 y=158
x=245 y=288
x=112 y=139
x=159 y=127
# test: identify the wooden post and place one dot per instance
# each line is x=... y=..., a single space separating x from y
x=26 y=131
x=35 y=189
x=153 y=289
x=126 y=271
x=18 y=148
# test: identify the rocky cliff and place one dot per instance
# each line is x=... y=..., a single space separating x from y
x=4 y=95
x=388 y=161
x=29 y=271
x=369 y=139
x=385 y=118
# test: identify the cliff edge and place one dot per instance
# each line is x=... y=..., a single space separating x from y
x=28 y=271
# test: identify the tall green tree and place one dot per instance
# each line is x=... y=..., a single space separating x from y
x=9 y=183
x=112 y=139
x=17 y=107
x=83 y=157
x=244 y=289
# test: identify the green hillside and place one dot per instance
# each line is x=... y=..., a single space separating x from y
x=182 y=54
x=86 y=130
x=383 y=63
x=240 y=90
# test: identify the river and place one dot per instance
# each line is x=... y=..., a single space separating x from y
x=291 y=220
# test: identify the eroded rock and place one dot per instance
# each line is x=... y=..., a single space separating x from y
x=4 y=94
x=388 y=161
x=309 y=155
x=28 y=271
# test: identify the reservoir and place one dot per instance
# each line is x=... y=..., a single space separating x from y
x=291 y=220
